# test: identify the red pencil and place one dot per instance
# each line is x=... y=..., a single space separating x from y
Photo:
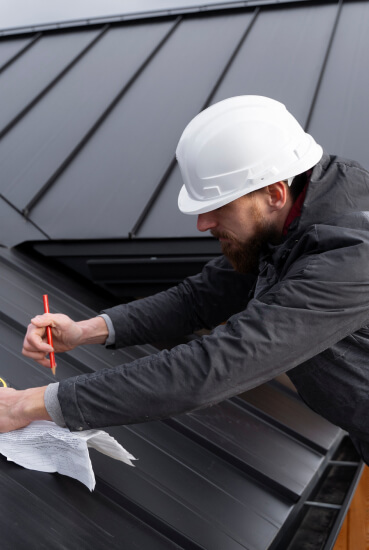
x=49 y=336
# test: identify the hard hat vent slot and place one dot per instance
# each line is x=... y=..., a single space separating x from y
x=211 y=192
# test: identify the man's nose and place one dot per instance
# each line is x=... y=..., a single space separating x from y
x=206 y=221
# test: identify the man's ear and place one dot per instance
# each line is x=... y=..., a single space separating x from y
x=277 y=194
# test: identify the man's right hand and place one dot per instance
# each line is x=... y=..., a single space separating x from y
x=67 y=334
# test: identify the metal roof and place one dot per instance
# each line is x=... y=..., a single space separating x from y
x=92 y=112
x=91 y=116
x=249 y=473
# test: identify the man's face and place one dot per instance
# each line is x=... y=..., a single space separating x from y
x=242 y=230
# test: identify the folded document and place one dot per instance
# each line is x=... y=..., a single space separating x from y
x=44 y=446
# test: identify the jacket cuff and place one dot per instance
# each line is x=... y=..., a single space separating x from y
x=52 y=404
x=119 y=327
x=67 y=396
x=111 y=336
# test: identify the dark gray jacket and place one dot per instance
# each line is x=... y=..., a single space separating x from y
x=305 y=314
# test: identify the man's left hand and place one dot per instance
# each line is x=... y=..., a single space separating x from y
x=20 y=407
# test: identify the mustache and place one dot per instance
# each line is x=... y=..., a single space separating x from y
x=221 y=235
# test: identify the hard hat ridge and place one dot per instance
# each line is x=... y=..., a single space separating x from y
x=237 y=146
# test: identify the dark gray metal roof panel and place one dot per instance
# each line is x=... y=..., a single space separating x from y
x=50 y=511
x=10 y=49
x=164 y=218
x=15 y=229
x=136 y=143
x=223 y=425
x=340 y=119
x=232 y=516
x=26 y=78
x=284 y=408
x=205 y=480
x=50 y=131
x=228 y=480
x=282 y=57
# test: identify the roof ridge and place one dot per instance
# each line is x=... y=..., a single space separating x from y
x=149 y=14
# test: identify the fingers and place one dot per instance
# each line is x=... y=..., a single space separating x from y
x=66 y=336
x=45 y=363
x=46 y=320
x=34 y=345
x=39 y=357
x=34 y=340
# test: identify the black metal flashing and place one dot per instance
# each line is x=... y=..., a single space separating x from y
x=127 y=268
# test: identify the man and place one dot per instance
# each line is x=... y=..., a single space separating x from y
x=293 y=284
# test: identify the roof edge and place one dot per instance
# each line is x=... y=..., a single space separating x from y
x=152 y=14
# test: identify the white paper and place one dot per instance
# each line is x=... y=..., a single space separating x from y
x=44 y=446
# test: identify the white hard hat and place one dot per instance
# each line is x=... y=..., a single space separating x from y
x=239 y=145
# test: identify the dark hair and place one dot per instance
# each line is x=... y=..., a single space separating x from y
x=298 y=184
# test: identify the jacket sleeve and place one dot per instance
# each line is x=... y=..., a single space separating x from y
x=198 y=302
x=322 y=296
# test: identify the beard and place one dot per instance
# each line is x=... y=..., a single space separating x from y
x=244 y=255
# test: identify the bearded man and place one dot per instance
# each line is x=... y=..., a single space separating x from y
x=292 y=283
